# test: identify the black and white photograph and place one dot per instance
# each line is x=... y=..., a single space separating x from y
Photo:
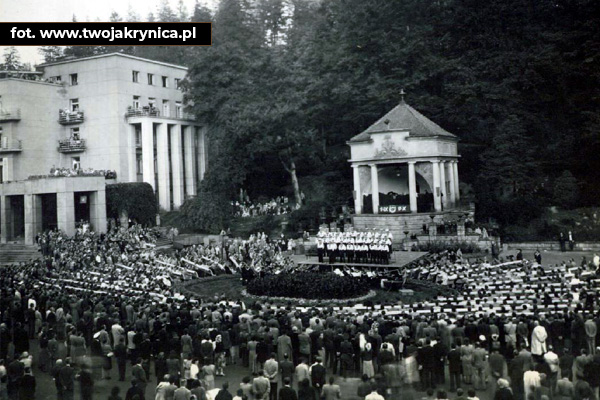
x=299 y=200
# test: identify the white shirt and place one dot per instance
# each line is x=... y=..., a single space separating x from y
x=374 y=396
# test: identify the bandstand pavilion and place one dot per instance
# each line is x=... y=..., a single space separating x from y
x=405 y=172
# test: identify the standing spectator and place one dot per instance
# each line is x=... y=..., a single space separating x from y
x=538 y=340
x=454 y=367
x=120 y=353
x=307 y=392
x=67 y=380
x=86 y=383
x=286 y=392
x=331 y=391
x=286 y=368
x=261 y=386
x=590 y=333
x=134 y=391
x=317 y=374
x=138 y=372
x=183 y=393
x=272 y=372
x=364 y=387
x=27 y=386
x=503 y=391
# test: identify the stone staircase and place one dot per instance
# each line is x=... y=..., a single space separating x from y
x=13 y=253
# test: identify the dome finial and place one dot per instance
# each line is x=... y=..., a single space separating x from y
x=402 y=94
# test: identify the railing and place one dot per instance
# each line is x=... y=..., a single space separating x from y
x=12 y=115
x=155 y=112
x=70 y=117
x=71 y=145
x=10 y=146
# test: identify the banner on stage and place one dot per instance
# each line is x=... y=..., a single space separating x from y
x=394 y=209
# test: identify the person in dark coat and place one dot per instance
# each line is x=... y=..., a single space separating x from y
x=224 y=393
x=454 y=367
x=318 y=374
x=27 y=386
x=503 y=392
x=86 y=384
x=286 y=392
x=134 y=390
x=120 y=353
x=306 y=392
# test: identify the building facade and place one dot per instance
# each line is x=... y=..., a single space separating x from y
x=108 y=112
x=111 y=112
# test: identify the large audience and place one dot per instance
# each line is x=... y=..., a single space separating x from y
x=247 y=208
x=108 y=306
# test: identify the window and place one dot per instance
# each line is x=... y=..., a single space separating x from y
x=55 y=79
x=76 y=163
x=74 y=81
x=178 y=83
x=138 y=136
x=179 y=109
x=75 y=134
x=74 y=104
x=136 y=102
x=135 y=76
x=165 y=108
x=152 y=102
x=150 y=79
x=165 y=81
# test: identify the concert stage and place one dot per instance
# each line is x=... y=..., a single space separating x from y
x=398 y=260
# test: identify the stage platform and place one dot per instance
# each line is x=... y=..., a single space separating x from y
x=398 y=260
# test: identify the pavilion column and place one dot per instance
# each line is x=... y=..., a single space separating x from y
x=65 y=212
x=412 y=187
x=443 y=190
x=437 y=201
x=148 y=153
x=162 y=164
x=37 y=214
x=375 y=188
x=452 y=182
x=177 y=166
x=190 y=160
x=456 y=185
x=358 y=198
x=6 y=219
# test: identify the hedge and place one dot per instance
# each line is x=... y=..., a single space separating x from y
x=137 y=199
x=308 y=285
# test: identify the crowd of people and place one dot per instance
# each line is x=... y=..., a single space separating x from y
x=278 y=206
x=94 y=304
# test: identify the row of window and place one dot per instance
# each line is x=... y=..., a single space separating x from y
x=152 y=106
x=72 y=79
x=135 y=77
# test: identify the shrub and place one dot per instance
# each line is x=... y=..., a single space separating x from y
x=308 y=285
x=437 y=247
x=137 y=199
x=566 y=190
x=210 y=211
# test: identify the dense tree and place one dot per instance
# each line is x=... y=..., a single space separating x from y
x=11 y=60
x=51 y=53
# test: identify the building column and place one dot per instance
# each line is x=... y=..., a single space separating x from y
x=37 y=214
x=98 y=211
x=190 y=160
x=162 y=164
x=412 y=186
x=443 y=190
x=65 y=212
x=201 y=152
x=452 y=182
x=456 y=185
x=148 y=153
x=375 y=188
x=177 y=166
x=437 y=201
x=29 y=217
x=5 y=219
x=132 y=173
x=358 y=198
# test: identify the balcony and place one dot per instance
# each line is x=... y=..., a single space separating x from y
x=10 y=115
x=70 y=117
x=155 y=112
x=10 y=146
x=71 y=145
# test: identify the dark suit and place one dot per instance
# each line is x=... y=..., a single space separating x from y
x=287 y=393
x=317 y=375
